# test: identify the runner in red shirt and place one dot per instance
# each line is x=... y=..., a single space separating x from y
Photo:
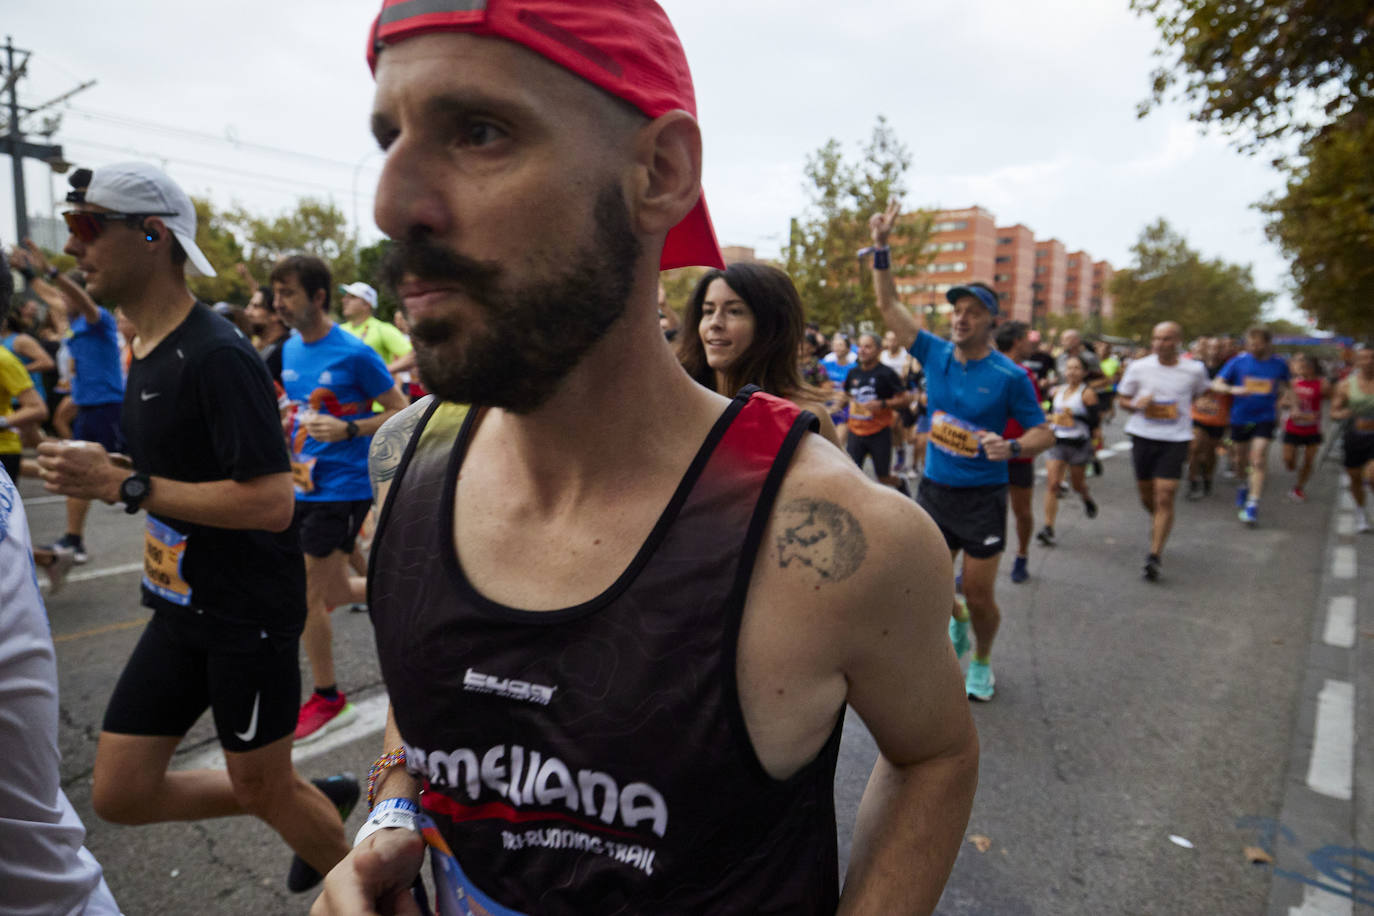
x=1303 y=428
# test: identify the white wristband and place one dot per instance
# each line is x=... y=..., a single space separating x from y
x=393 y=812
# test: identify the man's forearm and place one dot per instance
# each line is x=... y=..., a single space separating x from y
x=264 y=503
x=369 y=425
x=898 y=319
x=910 y=824
x=1034 y=441
x=395 y=782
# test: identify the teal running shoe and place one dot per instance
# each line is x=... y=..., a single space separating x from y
x=979 y=681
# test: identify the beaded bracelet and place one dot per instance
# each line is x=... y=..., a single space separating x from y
x=383 y=763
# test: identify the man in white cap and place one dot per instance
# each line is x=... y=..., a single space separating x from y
x=223 y=572
x=358 y=304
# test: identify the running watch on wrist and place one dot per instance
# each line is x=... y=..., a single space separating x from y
x=351 y=430
x=134 y=490
x=1015 y=446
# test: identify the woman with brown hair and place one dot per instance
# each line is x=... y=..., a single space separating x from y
x=743 y=326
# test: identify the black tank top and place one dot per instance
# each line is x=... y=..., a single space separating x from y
x=595 y=759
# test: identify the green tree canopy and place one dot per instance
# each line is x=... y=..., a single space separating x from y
x=216 y=240
x=836 y=287
x=1169 y=281
x=314 y=226
x=1268 y=67
x=1324 y=223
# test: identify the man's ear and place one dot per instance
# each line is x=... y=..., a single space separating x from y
x=155 y=230
x=667 y=175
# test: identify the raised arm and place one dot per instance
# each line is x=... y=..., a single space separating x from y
x=895 y=315
x=75 y=300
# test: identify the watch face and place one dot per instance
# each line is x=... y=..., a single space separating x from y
x=135 y=488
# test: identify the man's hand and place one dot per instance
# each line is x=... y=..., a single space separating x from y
x=246 y=275
x=325 y=428
x=37 y=260
x=996 y=448
x=375 y=878
x=880 y=224
x=80 y=469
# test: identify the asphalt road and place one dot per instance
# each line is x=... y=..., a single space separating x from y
x=1129 y=715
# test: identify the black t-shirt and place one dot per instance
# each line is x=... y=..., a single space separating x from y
x=200 y=407
x=1040 y=363
x=878 y=383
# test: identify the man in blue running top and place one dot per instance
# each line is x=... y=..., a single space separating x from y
x=972 y=391
x=1258 y=379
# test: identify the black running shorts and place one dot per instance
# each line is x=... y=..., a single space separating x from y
x=972 y=519
x=1155 y=459
x=1021 y=473
x=1359 y=450
x=185 y=662
x=329 y=526
x=1214 y=433
x=1244 y=432
x=878 y=445
x=1301 y=438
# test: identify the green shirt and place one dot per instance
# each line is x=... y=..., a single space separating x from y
x=386 y=339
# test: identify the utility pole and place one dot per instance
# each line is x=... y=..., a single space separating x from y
x=14 y=143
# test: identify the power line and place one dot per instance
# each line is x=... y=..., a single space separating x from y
x=203 y=136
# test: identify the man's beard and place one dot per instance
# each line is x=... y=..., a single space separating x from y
x=531 y=334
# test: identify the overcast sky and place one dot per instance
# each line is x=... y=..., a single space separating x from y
x=1025 y=108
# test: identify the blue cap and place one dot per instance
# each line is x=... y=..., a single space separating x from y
x=985 y=296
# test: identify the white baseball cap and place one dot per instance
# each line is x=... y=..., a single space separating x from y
x=140 y=188
x=362 y=291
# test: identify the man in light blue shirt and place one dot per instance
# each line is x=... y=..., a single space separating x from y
x=971 y=390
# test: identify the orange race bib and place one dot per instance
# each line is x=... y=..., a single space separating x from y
x=1063 y=420
x=164 y=548
x=1161 y=411
x=954 y=436
x=1208 y=406
x=1259 y=386
x=1364 y=424
x=303 y=474
x=1303 y=419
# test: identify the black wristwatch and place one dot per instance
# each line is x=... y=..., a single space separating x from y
x=134 y=490
x=1015 y=446
x=351 y=429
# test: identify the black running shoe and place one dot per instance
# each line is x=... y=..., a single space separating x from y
x=1152 y=565
x=1194 y=490
x=1089 y=508
x=1097 y=467
x=343 y=791
x=1046 y=536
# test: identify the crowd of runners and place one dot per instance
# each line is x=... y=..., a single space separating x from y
x=290 y=461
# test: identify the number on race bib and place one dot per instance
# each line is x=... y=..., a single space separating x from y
x=954 y=436
x=164 y=548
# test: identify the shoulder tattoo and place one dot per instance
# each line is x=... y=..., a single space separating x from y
x=389 y=443
x=822 y=536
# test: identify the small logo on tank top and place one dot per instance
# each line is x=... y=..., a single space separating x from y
x=510 y=688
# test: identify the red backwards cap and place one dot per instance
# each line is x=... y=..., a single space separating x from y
x=626 y=47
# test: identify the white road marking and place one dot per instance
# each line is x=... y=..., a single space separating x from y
x=1340 y=622
x=1333 y=743
x=1345 y=523
x=89 y=574
x=371 y=720
x=1121 y=447
x=1343 y=562
x=1318 y=902
x=44 y=500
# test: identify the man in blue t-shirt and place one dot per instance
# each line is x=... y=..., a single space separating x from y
x=331 y=379
x=1257 y=378
x=972 y=391
x=97 y=382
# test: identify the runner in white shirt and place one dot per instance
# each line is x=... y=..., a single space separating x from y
x=1158 y=390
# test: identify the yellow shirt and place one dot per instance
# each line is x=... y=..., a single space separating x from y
x=14 y=380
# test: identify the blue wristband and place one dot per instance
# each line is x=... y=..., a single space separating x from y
x=882 y=258
x=389 y=804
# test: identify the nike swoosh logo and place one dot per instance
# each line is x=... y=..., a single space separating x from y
x=148 y=397
x=252 y=723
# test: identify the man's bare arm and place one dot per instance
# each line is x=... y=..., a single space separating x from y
x=904 y=682
x=389 y=445
x=898 y=319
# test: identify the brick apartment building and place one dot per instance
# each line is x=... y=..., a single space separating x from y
x=1035 y=279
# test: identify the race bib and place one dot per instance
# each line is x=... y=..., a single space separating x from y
x=1207 y=405
x=954 y=436
x=1364 y=424
x=1064 y=420
x=1303 y=419
x=163 y=550
x=1258 y=386
x=303 y=474
x=1161 y=411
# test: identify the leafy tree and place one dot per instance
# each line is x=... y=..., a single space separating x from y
x=1324 y=223
x=216 y=240
x=822 y=251
x=370 y=271
x=1272 y=68
x=314 y=227
x=1169 y=281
